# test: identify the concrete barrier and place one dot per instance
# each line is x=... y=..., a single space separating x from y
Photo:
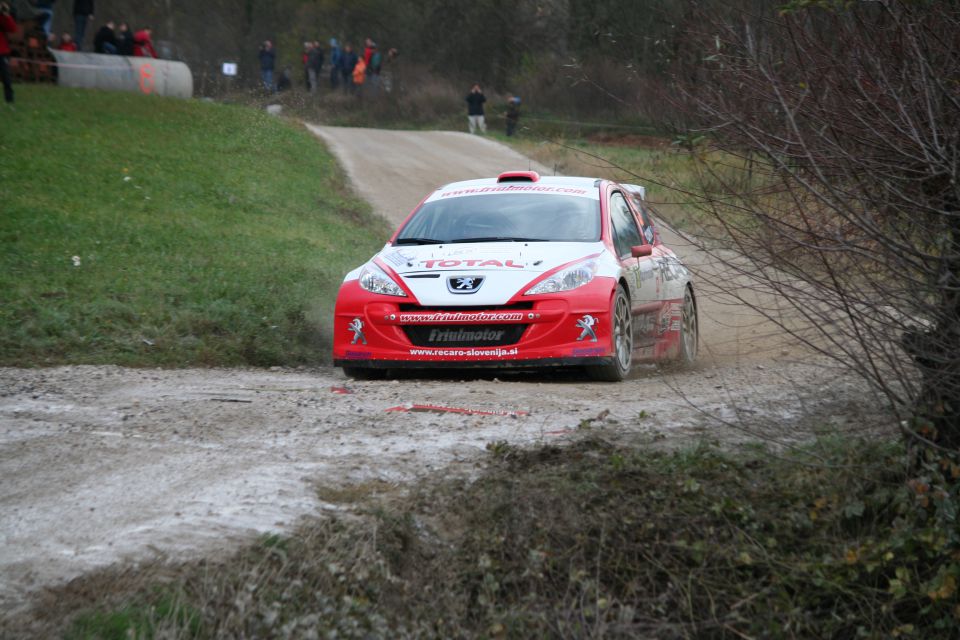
x=122 y=73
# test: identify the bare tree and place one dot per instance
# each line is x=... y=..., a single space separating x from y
x=847 y=116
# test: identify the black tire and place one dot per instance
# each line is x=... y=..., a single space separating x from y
x=364 y=373
x=621 y=328
x=689 y=330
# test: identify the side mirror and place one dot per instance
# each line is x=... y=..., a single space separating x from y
x=641 y=251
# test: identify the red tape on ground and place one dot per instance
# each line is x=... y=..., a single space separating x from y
x=433 y=408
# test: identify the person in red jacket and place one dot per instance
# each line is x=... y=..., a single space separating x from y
x=67 y=43
x=368 y=49
x=142 y=43
x=7 y=25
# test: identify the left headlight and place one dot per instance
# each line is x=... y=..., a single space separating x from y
x=374 y=280
x=570 y=278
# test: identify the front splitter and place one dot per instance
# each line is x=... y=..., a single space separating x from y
x=473 y=364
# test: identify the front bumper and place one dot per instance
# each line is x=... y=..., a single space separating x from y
x=559 y=330
x=474 y=364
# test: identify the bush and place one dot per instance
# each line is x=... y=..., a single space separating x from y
x=596 y=540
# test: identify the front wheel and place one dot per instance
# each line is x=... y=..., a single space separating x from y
x=689 y=330
x=621 y=331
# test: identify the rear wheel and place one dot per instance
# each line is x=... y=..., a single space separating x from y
x=621 y=330
x=689 y=330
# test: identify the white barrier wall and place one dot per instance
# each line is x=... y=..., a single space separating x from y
x=122 y=73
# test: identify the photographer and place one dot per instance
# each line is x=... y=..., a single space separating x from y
x=475 y=100
x=7 y=25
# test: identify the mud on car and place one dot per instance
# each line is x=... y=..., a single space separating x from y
x=519 y=271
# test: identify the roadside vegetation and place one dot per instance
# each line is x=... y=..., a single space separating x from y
x=144 y=231
x=587 y=540
x=671 y=174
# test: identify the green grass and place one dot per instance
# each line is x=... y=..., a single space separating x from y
x=203 y=234
x=138 y=621
x=834 y=540
x=685 y=185
x=669 y=174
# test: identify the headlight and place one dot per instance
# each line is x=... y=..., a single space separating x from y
x=570 y=278
x=374 y=280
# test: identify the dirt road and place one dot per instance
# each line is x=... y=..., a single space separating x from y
x=104 y=464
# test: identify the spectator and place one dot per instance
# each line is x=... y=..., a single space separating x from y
x=368 y=47
x=44 y=9
x=359 y=75
x=106 y=39
x=475 y=100
x=143 y=43
x=7 y=25
x=348 y=60
x=335 y=56
x=124 y=40
x=305 y=57
x=373 y=69
x=82 y=14
x=390 y=74
x=67 y=43
x=268 y=59
x=314 y=66
x=513 y=114
x=285 y=83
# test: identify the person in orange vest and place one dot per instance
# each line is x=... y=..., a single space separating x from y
x=7 y=25
x=359 y=75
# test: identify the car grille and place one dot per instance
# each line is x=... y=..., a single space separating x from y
x=469 y=335
x=520 y=306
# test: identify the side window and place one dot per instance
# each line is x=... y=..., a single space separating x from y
x=625 y=231
x=646 y=222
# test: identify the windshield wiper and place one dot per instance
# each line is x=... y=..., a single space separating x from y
x=497 y=239
x=417 y=241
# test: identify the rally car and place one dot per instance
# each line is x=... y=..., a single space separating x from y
x=519 y=271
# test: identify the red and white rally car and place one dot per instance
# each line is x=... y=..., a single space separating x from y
x=519 y=271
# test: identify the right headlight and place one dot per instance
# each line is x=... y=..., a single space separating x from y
x=374 y=280
x=570 y=278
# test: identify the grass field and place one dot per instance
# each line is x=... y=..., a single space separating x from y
x=147 y=231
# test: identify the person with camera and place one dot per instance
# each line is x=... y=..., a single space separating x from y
x=7 y=25
x=475 y=117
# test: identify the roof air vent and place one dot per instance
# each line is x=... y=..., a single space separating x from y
x=519 y=176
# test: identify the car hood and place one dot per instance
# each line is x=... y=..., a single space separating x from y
x=502 y=268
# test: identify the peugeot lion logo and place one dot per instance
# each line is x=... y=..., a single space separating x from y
x=357 y=328
x=586 y=323
x=464 y=284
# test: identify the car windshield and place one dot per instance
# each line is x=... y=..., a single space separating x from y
x=504 y=217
